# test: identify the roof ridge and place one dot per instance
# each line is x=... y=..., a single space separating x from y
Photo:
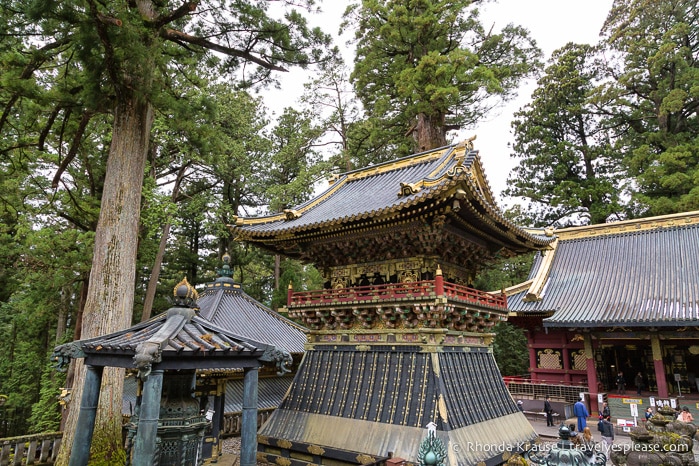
x=629 y=226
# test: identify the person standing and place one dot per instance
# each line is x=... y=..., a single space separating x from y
x=639 y=383
x=606 y=429
x=605 y=410
x=685 y=415
x=620 y=383
x=549 y=411
x=587 y=442
x=580 y=411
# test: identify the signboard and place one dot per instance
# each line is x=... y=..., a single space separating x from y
x=625 y=425
x=629 y=401
x=660 y=402
x=634 y=410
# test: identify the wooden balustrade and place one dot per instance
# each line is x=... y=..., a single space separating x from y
x=395 y=291
x=38 y=449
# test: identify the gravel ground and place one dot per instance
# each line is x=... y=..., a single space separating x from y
x=230 y=447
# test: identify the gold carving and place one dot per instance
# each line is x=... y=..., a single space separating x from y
x=315 y=450
x=263 y=439
x=291 y=214
x=406 y=189
x=283 y=443
x=282 y=461
x=365 y=459
x=442 y=408
x=362 y=347
x=466 y=143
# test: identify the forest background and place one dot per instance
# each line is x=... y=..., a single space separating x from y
x=131 y=135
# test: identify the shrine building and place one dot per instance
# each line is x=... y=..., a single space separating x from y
x=398 y=339
x=614 y=297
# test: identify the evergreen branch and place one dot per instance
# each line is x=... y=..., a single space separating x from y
x=178 y=36
x=73 y=148
x=185 y=9
x=37 y=60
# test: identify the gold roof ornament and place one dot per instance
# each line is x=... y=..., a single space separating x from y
x=185 y=294
x=291 y=214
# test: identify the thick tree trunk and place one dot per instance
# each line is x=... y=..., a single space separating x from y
x=110 y=295
x=430 y=132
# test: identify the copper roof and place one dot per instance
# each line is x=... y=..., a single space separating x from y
x=226 y=305
x=391 y=394
x=634 y=273
x=425 y=184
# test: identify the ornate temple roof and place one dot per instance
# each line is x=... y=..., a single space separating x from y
x=226 y=305
x=390 y=395
x=445 y=187
x=633 y=273
x=176 y=339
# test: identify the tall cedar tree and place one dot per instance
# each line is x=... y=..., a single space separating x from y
x=424 y=67
x=113 y=58
x=654 y=95
x=567 y=168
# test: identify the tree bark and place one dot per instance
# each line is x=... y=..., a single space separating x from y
x=430 y=132
x=110 y=294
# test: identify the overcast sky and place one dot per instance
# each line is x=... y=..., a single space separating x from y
x=552 y=23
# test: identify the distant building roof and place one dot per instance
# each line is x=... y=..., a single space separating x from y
x=633 y=273
x=225 y=304
x=176 y=339
x=445 y=188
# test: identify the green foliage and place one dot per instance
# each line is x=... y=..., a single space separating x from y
x=568 y=170
x=46 y=413
x=653 y=97
x=510 y=349
x=299 y=276
x=505 y=273
x=424 y=67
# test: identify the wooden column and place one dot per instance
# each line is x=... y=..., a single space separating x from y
x=82 y=439
x=147 y=433
x=532 y=357
x=565 y=354
x=591 y=372
x=658 y=365
x=248 y=429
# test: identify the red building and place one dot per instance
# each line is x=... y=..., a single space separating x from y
x=616 y=297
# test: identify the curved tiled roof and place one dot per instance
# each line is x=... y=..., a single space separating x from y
x=226 y=305
x=392 y=191
x=635 y=273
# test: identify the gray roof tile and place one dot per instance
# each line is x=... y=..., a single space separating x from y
x=648 y=277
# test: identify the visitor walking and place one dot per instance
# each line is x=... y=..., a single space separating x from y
x=620 y=383
x=606 y=429
x=580 y=411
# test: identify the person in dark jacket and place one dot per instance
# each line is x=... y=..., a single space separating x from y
x=549 y=411
x=606 y=429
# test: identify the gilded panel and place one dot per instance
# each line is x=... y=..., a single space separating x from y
x=549 y=359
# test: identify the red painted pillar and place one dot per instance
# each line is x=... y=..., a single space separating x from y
x=532 y=356
x=592 y=383
x=289 y=292
x=438 y=282
x=659 y=366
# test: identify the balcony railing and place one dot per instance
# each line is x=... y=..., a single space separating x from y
x=397 y=291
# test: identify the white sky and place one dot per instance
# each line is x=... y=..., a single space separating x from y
x=552 y=23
